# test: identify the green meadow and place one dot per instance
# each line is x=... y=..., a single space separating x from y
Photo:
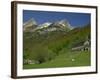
x=52 y=50
x=69 y=59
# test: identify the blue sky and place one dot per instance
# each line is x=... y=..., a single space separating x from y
x=75 y=19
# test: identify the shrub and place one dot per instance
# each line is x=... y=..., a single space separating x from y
x=42 y=54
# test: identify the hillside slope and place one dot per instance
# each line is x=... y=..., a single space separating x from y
x=46 y=47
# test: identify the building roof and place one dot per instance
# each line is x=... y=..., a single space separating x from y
x=78 y=44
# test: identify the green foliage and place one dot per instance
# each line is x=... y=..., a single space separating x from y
x=46 y=47
x=40 y=54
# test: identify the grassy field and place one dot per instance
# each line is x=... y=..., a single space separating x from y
x=67 y=59
x=54 y=49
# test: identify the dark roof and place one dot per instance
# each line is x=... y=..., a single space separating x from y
x=78 y=44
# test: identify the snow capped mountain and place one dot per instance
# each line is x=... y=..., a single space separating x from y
x=44 y=25
x=29 y=25
x=63 y=24
x=32 y=26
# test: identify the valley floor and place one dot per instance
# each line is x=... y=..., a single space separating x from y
x=65 y=59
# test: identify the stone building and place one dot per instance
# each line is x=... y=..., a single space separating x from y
x=82 y=46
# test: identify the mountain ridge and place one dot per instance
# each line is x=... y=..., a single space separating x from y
x=32 y=26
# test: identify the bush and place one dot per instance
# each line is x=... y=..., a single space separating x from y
x=42 y=54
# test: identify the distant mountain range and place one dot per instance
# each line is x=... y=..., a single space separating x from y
x=32 y=26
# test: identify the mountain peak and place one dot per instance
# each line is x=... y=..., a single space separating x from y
x=30 y=21
x=62 y=25
x=30 y=24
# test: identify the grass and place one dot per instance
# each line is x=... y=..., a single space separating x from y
x=65 y=59
x=56 y=45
